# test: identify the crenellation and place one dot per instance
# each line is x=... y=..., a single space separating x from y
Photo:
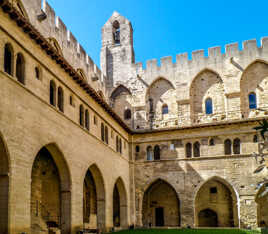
x=166 y=63
x=151 y=66
x=232 y=50
x=182 y=59
x=214 y=52
x=198 y=55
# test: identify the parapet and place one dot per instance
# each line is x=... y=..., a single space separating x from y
x=198 y=59
x=51 y=26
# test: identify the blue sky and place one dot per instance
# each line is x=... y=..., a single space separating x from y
x=167 y=27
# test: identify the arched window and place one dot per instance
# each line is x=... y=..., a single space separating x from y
x=236 y=146
x=60 y=99
x=164 y=109
x=227 y=147
x=120 y=145
x=255 y=139
x=149 y=153
x=209 y=106
x=71 y=100
x=188 y=150
x=117 y=144
x=37 y=73
x=137 y=148
x=106 y=135
x=197 y=149
x=52 y=93
x=102 y=132
x=87 y=119
x=81 y=115
x=8 y=59
x=127 y=114
x=252 y=101
x=20 y=68
x=116 y=32
x=156 y=152
x=211 y=142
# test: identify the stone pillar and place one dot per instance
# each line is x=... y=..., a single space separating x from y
x=248 y=212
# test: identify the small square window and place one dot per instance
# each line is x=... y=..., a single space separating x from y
x=213 y=190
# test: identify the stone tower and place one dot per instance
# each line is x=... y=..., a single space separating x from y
x=117 y=53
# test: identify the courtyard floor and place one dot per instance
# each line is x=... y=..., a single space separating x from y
x=192 y=231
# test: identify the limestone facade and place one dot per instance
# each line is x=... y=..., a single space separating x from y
x=88 y=148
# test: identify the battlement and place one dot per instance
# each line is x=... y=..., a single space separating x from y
x=51 y=26
x=199 y=59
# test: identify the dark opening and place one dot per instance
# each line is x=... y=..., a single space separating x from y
x=20 y=67
x=81 y=115
x=159 y=217
x=236 y=146
x=52 y=93
x=156 y=152
x=197 y=149
x=252 y=101
x=127 y=114
x=188 y=150
x=213 y=190
x=60 y=99
x=87 y=119
x=8 y=56
x=227 y=147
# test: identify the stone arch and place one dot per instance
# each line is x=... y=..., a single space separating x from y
x=55 y=44
x=218 y=195
x=4 y=186
x=120 y=204
x=262 y=206
x=254 y=80
x=97 y=213
x=206 y=84
x=50 y=191
x=161 y=91
x=121 y=100
x=157 y=210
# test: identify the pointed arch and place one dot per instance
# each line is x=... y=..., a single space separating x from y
x=254 y=94
x=120 y=204
x=206 y=84
x=119 y=90
x=4 y=186
x=56 y=210
x=55 y=44
x=98 y=218
x=220 y=196
x=156 y=209
x=156 y=80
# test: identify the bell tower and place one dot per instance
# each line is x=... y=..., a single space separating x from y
x=117 y=53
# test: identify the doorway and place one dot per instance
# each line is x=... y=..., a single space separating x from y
x=159 y=216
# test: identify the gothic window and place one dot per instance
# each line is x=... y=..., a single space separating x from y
x=102 y=132
x=255 y=139
x=71 y=100
x=37 y=73
x=81 y=115
x=211 y=142
x=117 y=144
x=137 y=149
x=116 y=32
x=164 y=109
x=106 y=135
x=120 y=146
x=236 y=146
x=151 y=104
x=156 y=152
x=227 y=147
x=87 y=120
x=52 y=93
x=20 y=68
x=8 y=59
x=127 y=114
x=60 y=99
x=149 y=153
x=209 y=106
x=252 y=101
x=197 y=149
x=188 y=150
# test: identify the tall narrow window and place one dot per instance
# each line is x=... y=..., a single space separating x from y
x=117 y=144
x=188 y=150
x=236 y=146
x=60 y=99
x=106 y=135
x=149 y=153
x=164 y=109
x=116 y=32
x=8 y=59
x=120 y=145
x=156 y=152
x=37 y=73
x=102 y=132
x=127 y=114
x=227 y=147
x=81 y=115
x=252 y=101
x=87 y=119
x=209 y=106
x=197 y=149
x=52 y=93
x=255 y=139
x=20 y=68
